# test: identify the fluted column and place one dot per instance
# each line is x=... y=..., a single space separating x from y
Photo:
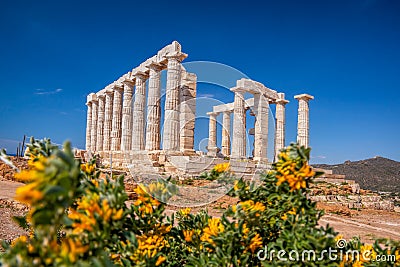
x=171 y=115
x=187 y=112
x=212 y=134
x=261 y=108
x=138 y=123
x=93 y=133
x=108 y=115
x=226 y=133
x=280 y=124
x=126 y=141
x=303 y=123
x=116 y=121
x=239 y=127
x=153 y=108
x=100 y=122
x=88 y=124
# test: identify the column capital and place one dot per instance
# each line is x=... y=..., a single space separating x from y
x=109 y=92
x=130 y=83
x=91 y=98
x=117 y=85
x=281 y=101
x=101 y=95
x=239 y=90
x=155 y=66
x=212 y=114
x=176 y=55
x=141 y=75
x=305 y=97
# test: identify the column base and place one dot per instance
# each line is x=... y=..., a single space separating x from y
x=212 y=151
x=260 y=159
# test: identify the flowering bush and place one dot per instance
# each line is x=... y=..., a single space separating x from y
x=81 y=217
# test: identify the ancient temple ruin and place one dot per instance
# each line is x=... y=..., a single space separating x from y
x=124 y=119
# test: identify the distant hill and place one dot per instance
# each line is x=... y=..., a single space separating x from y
x=377 y=174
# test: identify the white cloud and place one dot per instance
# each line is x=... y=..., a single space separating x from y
x=44 y=92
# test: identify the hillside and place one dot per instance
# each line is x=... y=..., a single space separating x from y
x=377 y=174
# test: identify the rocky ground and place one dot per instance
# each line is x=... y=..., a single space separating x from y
x=348 y=219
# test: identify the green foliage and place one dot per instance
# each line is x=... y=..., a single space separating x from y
x=81 y=217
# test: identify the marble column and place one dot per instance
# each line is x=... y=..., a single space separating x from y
x=171 y=114
x=280 y=124
x=100 y=122
x=303 y=123
x=93 y=133
x=108 y=117
x=261 y=108
x=116 y=121
x=187 y=115
x=212 y=134
x=226 y=133
x=126 y=141
x=239 y=127
x=88 y=123
x=139 y=123
x=153 y=108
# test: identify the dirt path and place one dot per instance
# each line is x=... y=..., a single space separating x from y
x=367 y=224
x=7 y=189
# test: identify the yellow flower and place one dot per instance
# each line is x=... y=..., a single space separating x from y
x=117 y=214
x=22 y=239
x=188 y=235
x=214 y=227
x=160 y=260
x=185 y=212
x=288 y=171
x=367 y=253
x=250 y=206
x=88 y=168
x=28 y=194
x=338 y=237
x=234 y=208
x=72 y=249
x=223 y=167
x=357 y=264
x=236 y=186
x=255 y=243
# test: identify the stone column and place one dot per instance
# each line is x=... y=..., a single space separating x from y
x=88 y=123
x=261 y=108
x=93 y=133
x=239 y=127
x=116 y=121
x=100 y=123
x=212 y=134
x=138 y=124
x=171 y=115
x=126 y=141
x=187 y=112
x=226 y=133
x=153 y=108
x=303 y=123
x=280 y=124
x=108 y=115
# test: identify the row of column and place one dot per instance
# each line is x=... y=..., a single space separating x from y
x=260 y=110
x=112 y=123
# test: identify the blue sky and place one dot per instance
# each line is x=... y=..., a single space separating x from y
x=345 y=53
